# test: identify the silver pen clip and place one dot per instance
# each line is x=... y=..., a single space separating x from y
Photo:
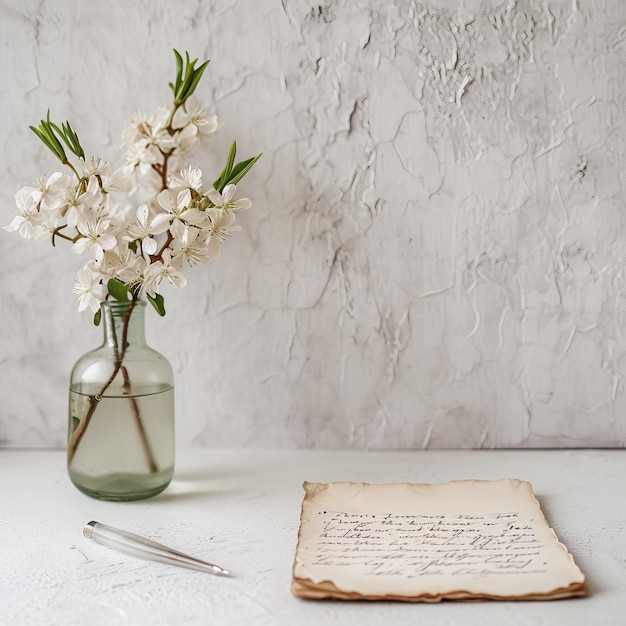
x=143 y=548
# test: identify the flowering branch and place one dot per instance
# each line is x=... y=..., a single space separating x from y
x=180 y=222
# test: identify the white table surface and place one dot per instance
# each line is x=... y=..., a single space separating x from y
x=240 y=509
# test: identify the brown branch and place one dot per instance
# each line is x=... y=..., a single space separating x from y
x=57 y=233
x=79 y=433
x=134 y=405
x=159 y=255
x=83 y=423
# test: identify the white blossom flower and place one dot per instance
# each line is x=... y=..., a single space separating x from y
x=192 y=247
x=221 y=228
x=226 y=199
x=27 y=217
x=140 y=156
x=109 y=180
x=150 y=133
x=124 y=264
x=50 y=223
x=78 y=200
x=159 y=270
x=145 y=140
x=118 y=181
x=94 y=167
x=50 y=192
x=89 y=289
x=188 y=178
x=177 y=207
x=192 y=115
x=131 y=133
x=143 y=228
x=184 y=142
x=74 y=205
x=95 y=238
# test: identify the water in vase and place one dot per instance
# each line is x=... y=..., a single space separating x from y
x=127 y=451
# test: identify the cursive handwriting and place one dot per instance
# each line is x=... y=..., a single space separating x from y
x=429 y=545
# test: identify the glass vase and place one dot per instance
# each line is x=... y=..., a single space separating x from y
x=121 y=412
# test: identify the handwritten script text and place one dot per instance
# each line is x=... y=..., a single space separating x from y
x=429 y=545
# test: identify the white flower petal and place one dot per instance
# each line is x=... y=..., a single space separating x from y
x=215 y=197
x=194 y=216
x=229 y=193
x=160 y=223
x=178 y=229
x=107 y=241
x=57 y=176
x=242 y=203
x=80 y=246
x=15 y=224
x=27 y=230
x=183 y=199
x=164 y=199
x=149 y=245
x=177 y=279
x=93 y=187
x=142 y=215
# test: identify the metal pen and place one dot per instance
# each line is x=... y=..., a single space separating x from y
x=144 y=548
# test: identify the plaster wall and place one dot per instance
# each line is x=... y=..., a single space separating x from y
x=435 y=255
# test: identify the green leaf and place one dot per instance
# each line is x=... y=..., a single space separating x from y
x=118 y=289
x=197 y=75
x=48 y=130
x=183 y=76
x=39 y=134
x=69 y=137
x=73 y=142
x=158 y=303
x=228 y=168
x=241 y=169
x=97 y=317
x=187 y=77
x=133 y=245
x=44 y=134
x=179 y=70
x=186 y=83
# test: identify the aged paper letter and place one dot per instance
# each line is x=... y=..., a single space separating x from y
x=458 y=540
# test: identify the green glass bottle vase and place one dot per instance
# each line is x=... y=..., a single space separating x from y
x=121 y=412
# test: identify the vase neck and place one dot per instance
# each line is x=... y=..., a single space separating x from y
x=124 y=323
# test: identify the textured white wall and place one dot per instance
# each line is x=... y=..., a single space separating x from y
x=436 y=252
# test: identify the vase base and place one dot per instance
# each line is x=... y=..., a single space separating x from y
x=122 y=486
